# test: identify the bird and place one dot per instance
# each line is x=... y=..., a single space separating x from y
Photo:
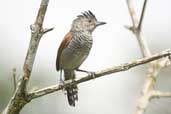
x=74 y=50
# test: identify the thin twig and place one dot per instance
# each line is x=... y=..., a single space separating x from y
x=158 y=94
x=47 y=30
x=142 y=15
x=115 y=69
x=14 y=78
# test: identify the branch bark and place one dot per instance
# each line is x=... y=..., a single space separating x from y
x=154 y=68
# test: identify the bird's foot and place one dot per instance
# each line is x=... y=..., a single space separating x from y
x=61 y=84
x=92 y=74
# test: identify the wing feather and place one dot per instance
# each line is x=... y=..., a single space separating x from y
x=68 y=37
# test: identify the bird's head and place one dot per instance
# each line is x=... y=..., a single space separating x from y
x=86 y=22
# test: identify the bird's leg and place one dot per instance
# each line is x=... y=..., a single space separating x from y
x=88 y=72
x=61 y=80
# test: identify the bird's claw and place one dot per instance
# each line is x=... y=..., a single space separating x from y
x=92 y=74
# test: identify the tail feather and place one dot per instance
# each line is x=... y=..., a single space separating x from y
x=72 y=91
x=72 y=95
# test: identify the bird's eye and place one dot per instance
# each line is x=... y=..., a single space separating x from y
x=89 y=21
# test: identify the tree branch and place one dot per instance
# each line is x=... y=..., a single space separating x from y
x=115 y=69
x=136 y=29
x=19 y=99
x=142 y=16
x=148 y=91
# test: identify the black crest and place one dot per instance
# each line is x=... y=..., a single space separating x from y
x=88 y=14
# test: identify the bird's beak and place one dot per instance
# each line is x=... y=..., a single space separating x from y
x=100 y=23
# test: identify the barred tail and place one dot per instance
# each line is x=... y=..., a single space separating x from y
x=72 y=93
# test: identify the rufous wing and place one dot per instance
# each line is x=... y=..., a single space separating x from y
x=68 y=37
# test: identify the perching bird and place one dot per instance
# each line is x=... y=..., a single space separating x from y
x=74 y=49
